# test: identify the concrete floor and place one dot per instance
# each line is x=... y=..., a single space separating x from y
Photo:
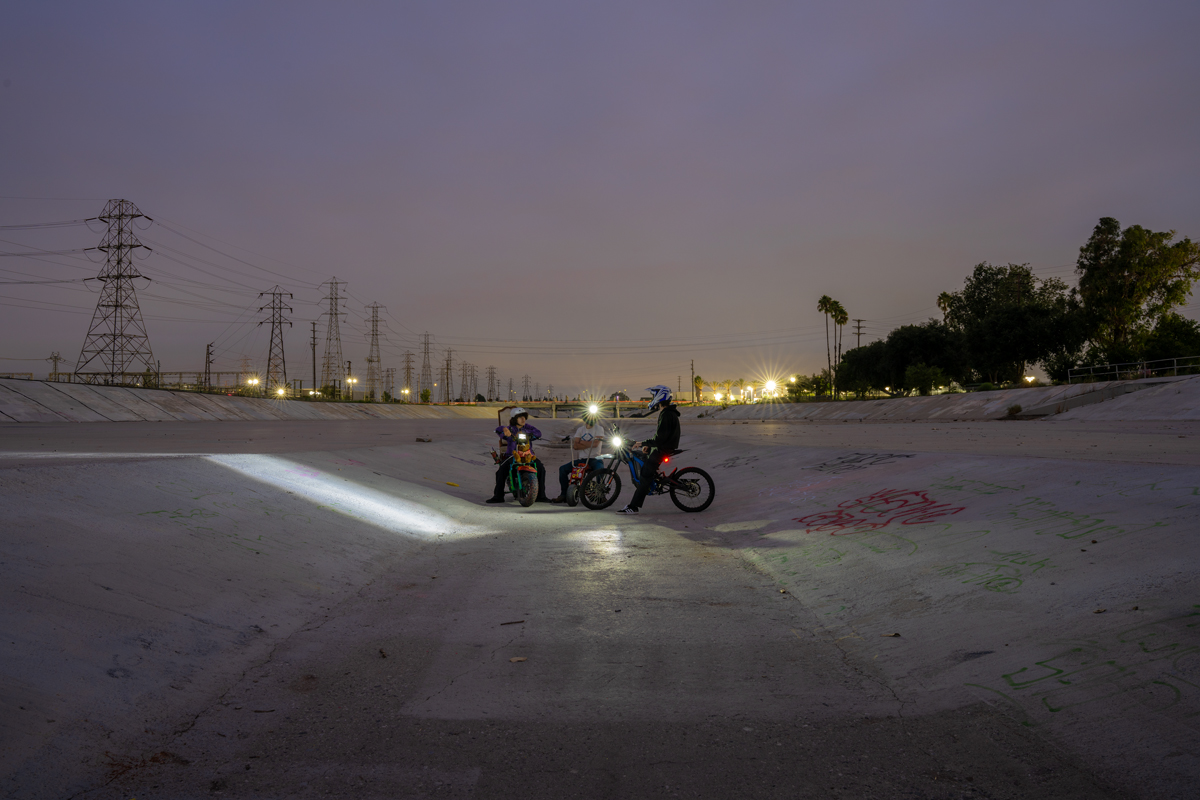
x=305 y=609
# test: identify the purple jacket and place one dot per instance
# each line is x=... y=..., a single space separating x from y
x=511 y=444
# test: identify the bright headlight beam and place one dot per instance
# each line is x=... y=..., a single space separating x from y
x=383 y=510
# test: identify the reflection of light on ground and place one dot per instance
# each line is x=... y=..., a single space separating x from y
x=607 y=542
x=353 y=500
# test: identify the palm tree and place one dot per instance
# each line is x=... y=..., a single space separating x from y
x=698 y=382
x=943 y=302
x=825 y=306
x=840 y=318
x=740 y=383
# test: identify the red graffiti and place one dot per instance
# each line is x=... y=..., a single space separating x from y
x=876 y=511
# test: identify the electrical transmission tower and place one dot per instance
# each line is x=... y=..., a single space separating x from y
x=448 y=376
x=373 y=376
x=116 y=341
x=408 y=375
x=426 y=383
x=493 y=392
x=525 y=387
x=55 y=357
x=474 y=393
x=389 y=382
x=276 y=377
x=331 y=365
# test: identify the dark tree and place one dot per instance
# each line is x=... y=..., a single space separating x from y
x=1129 y=280
x=1008 y=317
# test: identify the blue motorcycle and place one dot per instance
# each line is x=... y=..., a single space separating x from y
x=691 y=488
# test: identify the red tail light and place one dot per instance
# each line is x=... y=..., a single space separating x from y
x=665 y=460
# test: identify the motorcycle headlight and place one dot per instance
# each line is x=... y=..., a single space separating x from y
x=617 y=441
x=521 y=436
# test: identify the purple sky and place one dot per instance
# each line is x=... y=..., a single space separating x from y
x=593 y=195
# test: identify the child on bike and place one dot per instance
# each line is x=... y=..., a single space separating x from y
x=508 y=440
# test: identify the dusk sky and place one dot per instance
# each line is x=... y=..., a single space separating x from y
x=590 y=193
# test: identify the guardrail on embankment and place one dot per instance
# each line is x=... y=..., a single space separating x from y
x=1035 y=402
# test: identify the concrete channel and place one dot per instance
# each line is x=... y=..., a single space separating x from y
x=277 y=608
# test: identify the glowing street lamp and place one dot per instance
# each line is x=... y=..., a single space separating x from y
x=719 y=396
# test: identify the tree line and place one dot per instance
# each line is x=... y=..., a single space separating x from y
x=1005 y=319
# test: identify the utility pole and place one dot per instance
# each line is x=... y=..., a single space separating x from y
x=408 y=374
x=116 y=340
x=55 y=357
x=390 y=382
x=426 y=369
x=510 y=388
x=276 y=377
x=316 y=386
x=693 y=381
x=858 y=332
x=349 y=384
x=331 y=365
x=208 y=366
x=372 y=389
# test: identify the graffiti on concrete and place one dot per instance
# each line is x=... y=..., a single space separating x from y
x=737 y=461
x=1043 y=517
x=878 y=510
x=1153 y=666
x=856 y=461
x=957 y=484
x=1005 y=572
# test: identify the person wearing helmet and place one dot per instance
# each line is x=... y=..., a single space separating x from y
x=508 y=440
x=664 y=442
x=586 y=445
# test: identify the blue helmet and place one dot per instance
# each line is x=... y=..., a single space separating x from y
x=659 y=395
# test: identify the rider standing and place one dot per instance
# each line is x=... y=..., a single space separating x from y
x=665 y=442
x=586 y=444
x=508 y=440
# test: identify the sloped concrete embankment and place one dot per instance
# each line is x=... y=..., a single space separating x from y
x=1034 y=402
x=41 y=401
x=1059 y=592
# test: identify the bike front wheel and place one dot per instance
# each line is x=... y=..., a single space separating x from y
x=572 y=495
x=692 y=489
x=529 y=490
x=600 y=489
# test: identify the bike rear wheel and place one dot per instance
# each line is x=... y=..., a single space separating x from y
x=692 y=489
x=600 y=489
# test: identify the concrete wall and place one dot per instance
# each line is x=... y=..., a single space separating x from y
x=41 y=401
x=1180 y=401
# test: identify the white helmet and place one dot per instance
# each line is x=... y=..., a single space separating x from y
x=516 y=412
x=659 y=394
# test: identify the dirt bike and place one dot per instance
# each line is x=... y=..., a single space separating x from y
x=522 y=477
x=691 y=488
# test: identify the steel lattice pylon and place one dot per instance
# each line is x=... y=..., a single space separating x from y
x=117 y=339
x=426 y=382
x=276 y=365
x=373 y=376
x=332 y=366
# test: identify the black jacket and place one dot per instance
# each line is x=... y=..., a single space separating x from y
x=666 y=438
